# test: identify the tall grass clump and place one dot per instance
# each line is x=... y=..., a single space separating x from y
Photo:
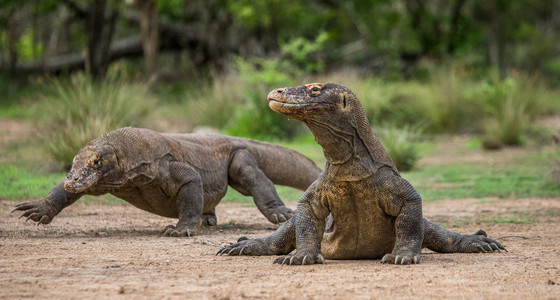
x=451 y=108
x=402 y=144
x=215 y=104
x=511 y=105
x=75 y=110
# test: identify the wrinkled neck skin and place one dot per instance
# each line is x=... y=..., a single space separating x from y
x=347 y=156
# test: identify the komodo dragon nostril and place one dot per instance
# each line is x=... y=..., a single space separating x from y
x=279 y=91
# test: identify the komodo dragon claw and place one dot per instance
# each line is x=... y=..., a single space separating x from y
x=35 y=211
x=309 y=258
x=171 y=230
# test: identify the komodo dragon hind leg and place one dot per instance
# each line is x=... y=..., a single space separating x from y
x=439 y=239
x=189 y=200
x=246 y=177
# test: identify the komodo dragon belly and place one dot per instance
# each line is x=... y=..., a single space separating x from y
x=160 y=197
x=361 y=229
x=150 y=198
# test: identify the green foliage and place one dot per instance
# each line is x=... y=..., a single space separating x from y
x=302 y=53
x=511 y=105
x=28 y=50
x=518 y=217
x=402 y=144
x=17 y=183
x=450 y=107
x=279 y=17
x=79 y=109
x=22 y=184
x=524 y=177
x=253 y=118
x=237 y=101
x=216 y=104
x=16 y=96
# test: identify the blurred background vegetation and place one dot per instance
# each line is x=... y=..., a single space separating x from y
x=423 y=69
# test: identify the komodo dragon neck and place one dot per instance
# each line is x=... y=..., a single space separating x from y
x=339 y=124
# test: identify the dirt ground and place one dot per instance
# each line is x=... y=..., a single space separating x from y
x=92 y=251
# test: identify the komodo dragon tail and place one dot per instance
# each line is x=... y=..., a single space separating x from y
x=284 y=166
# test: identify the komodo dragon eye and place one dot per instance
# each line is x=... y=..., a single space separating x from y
x=315 y=91
x=96 y=162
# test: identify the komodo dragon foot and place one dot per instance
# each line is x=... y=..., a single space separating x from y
x=478 y=243
x=37 y=211
x=180 y=230
x=301 y=257
x=171 y=230
x=401 y=258
x=209 y=219
x=279 y=214
x=245 y=246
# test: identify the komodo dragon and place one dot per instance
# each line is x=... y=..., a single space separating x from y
x=369 y=211
x=178 y=176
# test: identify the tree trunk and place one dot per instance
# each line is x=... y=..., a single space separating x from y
x=149 y=30
x=100 y=33
x=14 y=34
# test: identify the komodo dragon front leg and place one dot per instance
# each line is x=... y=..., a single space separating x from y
x=310 y=225
x=189 y=199
x=44 y=210
x=246 y=177
x=401 y=200
x=305 y=230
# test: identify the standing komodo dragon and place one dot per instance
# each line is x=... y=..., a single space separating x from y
x=369 y=211
x=178 y=176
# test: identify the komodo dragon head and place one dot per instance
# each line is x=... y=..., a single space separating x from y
x=313 y=101
x=336 y=118
x=90 y=165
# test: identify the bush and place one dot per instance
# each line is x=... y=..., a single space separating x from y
x=401 y=144
x=215 y=104
x=254 y=118
x=451 y=108
x=79 y=109
x=511 y=105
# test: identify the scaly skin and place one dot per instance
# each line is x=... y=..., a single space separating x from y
x=360 y=207
x=178 y=176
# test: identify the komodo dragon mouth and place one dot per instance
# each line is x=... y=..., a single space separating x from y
x=291 y=105
x=75 y=183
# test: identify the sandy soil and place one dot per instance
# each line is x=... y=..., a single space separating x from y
x=92 y=251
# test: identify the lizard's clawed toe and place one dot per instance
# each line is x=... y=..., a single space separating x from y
x=301 y=258
x=400 y=259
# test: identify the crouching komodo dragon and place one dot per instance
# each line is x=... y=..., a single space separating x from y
x=178 y=176
x=368 y=210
